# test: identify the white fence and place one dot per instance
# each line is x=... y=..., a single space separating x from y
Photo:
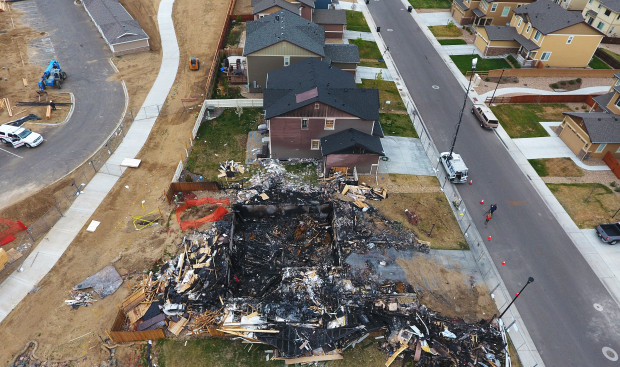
x=257 y=102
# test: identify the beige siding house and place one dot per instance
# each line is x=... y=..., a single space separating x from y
x=485 y=12
x=604 y=15
x=542 y=34
x=572 y=4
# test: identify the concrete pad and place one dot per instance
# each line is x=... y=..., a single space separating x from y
x=352 y=35
x=436 y=18
x=406 y=156
x=461 y=50
x=366 y=72
x=551 y=147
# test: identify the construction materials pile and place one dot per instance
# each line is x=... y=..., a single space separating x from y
x=274 y=271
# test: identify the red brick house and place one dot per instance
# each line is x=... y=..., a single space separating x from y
x=314 y=110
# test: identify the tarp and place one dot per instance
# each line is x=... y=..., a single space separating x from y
x=213 y=217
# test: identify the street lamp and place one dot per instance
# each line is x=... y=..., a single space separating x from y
x=473 y=69
x=529 y=280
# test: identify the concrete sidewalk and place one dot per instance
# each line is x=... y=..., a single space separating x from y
x=505 y=91
x=50 y=249
x=367 y=72
x=353 y=35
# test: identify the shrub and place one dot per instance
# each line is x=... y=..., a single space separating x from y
x=487 y=79
x=555 y=86
x=612 y=184
x=562 y=83
x=584 y=107
x=578 y=80
x=571 y=82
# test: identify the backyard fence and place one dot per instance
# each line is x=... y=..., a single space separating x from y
x=613 y=164
x=120 y=336
x=609 y=60
x=534 y=98
x=241 y=102
x=211 y=77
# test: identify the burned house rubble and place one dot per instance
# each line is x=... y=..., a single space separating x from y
x=274 y=271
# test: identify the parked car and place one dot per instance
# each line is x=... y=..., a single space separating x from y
x=18 y=136
x=485 y=116
x=609 y=233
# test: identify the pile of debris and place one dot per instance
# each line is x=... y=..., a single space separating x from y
x=230 y=169
x=275 y=272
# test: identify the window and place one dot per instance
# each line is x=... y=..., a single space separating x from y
x=527 y=30
x=537 y=36
x=607 y=12
x=611 y=30
x=329 y=124
x=493 y=7
x=570 y=40
x=317 y=105
x=617 y=82
x=315 y=144
x=618 y=102
x=599 y=6
x=484 y=5
x=590 y=2
x=506 y=11
x=545 y=56
x=618 y=151
x=600 y=148
x=304 y=124
x=519 y=23
x=600 y=26
x=287 y=60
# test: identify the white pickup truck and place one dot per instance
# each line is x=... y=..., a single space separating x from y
x=18 y=136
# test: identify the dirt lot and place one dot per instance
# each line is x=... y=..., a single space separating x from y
x=43 y=315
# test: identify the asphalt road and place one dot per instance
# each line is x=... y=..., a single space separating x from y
x=558 y=308
x=84 y=56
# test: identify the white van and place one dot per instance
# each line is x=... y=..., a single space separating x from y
x=485 y=116
x=18 y=136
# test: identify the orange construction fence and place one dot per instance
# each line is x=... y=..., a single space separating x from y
x=213 y=217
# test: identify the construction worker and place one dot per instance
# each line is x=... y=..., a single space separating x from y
x=53 y=105
x=488 y=218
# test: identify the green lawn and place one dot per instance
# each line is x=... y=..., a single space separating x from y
x=396 y=124
x=463 y=62
x=387 y=92
x=539 y=166
x=431 y=4
x=514 y=62
x=449 y=30
x=452 y=41
x=225 y=136
x=597 y=63
x=368 y=49
x=219 y=352
x=373 y=64
x=356 y=21
x=522 y=120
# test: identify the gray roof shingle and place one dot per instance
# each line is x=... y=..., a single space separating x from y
x=335 y=87
x=461 y=4
x=116 y=24
x=284 y=26
x=477 y=12
x=613 y=5
x=602 y=127
x=329 y=16
x=263 y=5
x=346 y=53
x=506 y=33
x=347 y=140
x=603 y=100
x=547 y=16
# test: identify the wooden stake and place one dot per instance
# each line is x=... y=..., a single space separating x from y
x=25 y=81
x=48 y=114
x=8 y=107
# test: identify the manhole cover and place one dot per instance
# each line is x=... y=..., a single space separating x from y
x=435 y=87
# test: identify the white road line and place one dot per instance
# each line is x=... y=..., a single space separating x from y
x=4 y=150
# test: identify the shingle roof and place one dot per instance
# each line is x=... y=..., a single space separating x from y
x=284 y=26
x=377 y=130
x=601 y=127
x=547 y=16
x=348 y=53
x=477 y=12
x=613 y=5
x=345 y=141
x=461 y=4
x=329 y=16
x=309 y=3
x=527 y=43
x=335 y=87
x=505 y=33
x=114 y=22
x=603 y=100
x=263 y=5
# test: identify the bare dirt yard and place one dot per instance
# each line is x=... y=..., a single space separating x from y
x=43 y=316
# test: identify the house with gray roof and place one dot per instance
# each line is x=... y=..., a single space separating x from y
x=118 y=28
x=282 y=39
x=604 y=15
x=542 y=33
x=595 y=133
x=311 y=108
x=334 y=21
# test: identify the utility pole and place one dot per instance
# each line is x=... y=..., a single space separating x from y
x=458 y=125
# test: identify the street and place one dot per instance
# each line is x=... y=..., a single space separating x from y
x=559 y=307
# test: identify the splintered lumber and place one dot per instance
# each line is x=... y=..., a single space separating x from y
x=7 y=103
x=396 y=354
x=4 y=258
x=176 y=327
x=345 y=190
x=1 y=103
x=137 y=312
x=48 y=113
x=242 y=330
x=133 y=300
x=360 y=204
x=326 y=357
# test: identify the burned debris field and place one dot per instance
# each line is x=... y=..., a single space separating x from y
x=277 y=270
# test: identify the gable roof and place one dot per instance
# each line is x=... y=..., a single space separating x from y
x=613 y=5
x=284 y=26
x=114 y=22
x=345 y=53
x=506 y=33
x=548 y=17
x=603 y=100
x=601 y=127
x=344 y=142
x=262 y=5
x=329 y=16
x=290 y=88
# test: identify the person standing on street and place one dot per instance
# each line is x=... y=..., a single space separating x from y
x=488 y=218
x=493 y=209
x=53 y=105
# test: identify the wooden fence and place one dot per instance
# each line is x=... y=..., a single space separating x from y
x=555 y=73
x=556 y=98
x=613 y=164
x=189 y=186
x=612 y=40
x=216 y=58
x=607 y=58
x=120 y=336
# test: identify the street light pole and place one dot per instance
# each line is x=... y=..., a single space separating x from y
x=529 y=280
x=498 y=80
x=458 y=125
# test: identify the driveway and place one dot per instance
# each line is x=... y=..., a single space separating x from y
x=74 y=41
x=405 y=156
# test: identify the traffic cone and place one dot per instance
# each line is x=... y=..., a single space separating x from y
x=471 y=182
x=489 y=238
x=503 y=263
x=482 y=202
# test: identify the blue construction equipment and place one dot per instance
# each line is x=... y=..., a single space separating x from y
x=53 y=76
